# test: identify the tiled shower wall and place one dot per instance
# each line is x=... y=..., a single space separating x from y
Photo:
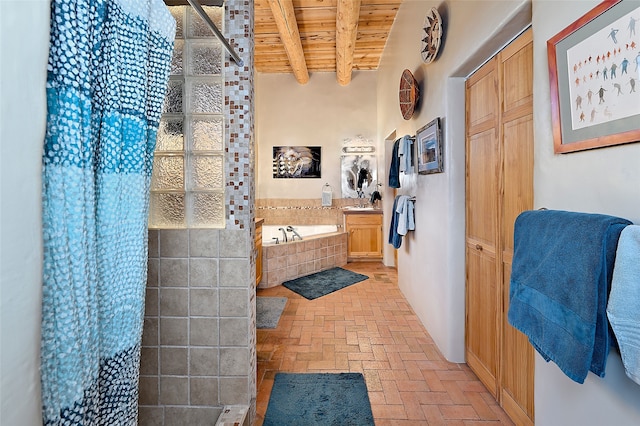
x=199 y=337
x=195 y=346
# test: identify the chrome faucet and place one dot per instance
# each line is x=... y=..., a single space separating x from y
x=284 y=235
x=295 y=234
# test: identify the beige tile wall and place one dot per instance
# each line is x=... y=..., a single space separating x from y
x=278 y=211
x=282 y=262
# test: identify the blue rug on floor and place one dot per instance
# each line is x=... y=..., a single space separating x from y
x=268 y=311
x=319 y=399
x=323 y=282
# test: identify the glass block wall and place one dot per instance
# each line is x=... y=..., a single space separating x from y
x=187 y=187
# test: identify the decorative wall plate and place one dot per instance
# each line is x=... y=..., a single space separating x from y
x=409 y=94
x=432 y=34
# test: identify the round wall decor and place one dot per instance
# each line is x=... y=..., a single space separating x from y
x=432 y=34
x=409 y=94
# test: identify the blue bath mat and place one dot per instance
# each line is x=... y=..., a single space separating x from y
x=319 y=399
x=268 y=311
x=323 y=282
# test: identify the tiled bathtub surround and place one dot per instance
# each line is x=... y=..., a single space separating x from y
x=195 y=344
x=282 y=262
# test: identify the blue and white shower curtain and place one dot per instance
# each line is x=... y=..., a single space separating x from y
x=108 y=70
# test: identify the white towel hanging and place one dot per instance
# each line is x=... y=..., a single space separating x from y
x=327 y=195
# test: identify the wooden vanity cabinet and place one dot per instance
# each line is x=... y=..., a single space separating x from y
x=364 y=236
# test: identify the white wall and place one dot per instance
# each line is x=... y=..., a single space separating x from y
x=24 y=40
x=320 y=113
x=431 y=260
x=599 y=181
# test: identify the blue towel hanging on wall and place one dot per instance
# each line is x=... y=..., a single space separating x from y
x=623 y=309
x=561 y=274
x=402 y=220
x=394 y=167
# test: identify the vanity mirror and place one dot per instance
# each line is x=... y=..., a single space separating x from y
x=359 y=169
x=359 y=175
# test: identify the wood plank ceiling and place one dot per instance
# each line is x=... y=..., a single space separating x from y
x=299 y=36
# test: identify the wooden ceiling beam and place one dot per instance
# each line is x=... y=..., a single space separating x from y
x=285 y=18
x=259 y=4
x=346 y=32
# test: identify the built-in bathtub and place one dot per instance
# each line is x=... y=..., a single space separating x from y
x=322 y=247
x=271 y=232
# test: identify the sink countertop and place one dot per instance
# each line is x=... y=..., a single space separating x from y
x=361 y=210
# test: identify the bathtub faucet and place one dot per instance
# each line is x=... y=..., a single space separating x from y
x=284 y=235
x=295 y=234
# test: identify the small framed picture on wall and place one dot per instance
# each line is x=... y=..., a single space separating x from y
x=429 y=141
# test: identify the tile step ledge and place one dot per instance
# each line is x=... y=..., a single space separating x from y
x=233 y=415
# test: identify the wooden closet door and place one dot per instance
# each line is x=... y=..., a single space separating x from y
x=499 y=187
x=516 y=71
x=483 y=155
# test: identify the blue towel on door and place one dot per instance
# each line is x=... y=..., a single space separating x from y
x=623 y=309
x=394 y=166
x=561 y=273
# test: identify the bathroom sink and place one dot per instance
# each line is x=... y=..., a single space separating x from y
x=358 y=209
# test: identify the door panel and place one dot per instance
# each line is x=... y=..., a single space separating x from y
x=517 y=73
x=517 y=375
x=517 y=367
x=518 y=175
x=483 y=155
x=482 y=186
x=499 y=187
x=482 y=96
x=482 y=315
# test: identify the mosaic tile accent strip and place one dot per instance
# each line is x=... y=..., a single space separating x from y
x=239 y=111
x=240 y=160
x=276 y=211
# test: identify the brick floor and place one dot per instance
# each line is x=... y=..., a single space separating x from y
x=370 y=328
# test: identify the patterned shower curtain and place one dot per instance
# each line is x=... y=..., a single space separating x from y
x=108 y=70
